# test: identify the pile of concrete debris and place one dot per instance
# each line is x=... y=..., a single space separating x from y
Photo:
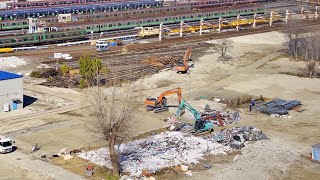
x=162 y=61
x=156 y=152
x=220 y=118
x=237 y=136
x=276 y=106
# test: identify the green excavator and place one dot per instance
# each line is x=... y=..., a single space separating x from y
x=200 y=124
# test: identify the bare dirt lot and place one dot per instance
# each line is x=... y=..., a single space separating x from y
x=257 y=66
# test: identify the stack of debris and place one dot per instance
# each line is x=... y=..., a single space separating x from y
x=276 y=106
x=59 y=81
x=162 y=61
x=156 y=152
x=220 y=118
x=236 y=136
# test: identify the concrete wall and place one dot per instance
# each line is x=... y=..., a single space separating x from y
x=9 y=90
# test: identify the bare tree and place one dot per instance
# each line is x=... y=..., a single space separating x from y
x=113 y=111
x=294 y=30
x=316 y=46
x=311 y=65
x=222 y=46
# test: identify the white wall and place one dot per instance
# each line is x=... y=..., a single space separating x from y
x=11 y=89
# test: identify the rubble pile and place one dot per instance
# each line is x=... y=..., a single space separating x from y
x=220 y=118
x=162 y=61
x=60 y=81
x=156 y=152
x=277 y=106
x=236 y=136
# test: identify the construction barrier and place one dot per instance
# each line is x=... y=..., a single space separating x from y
x=73 y=43
x=30 y=48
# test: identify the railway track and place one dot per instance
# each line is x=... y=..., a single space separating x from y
x=192 y=40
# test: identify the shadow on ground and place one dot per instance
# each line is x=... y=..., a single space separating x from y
x=28 y=100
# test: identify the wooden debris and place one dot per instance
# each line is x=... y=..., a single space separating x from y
x=162 y=61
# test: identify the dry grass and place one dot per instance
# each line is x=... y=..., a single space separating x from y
x=78 y=166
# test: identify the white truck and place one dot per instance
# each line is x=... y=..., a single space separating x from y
x=6 y=145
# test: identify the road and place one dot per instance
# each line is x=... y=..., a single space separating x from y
x=38 y=167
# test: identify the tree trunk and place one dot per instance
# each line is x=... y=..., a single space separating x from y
x=114 y=159
x=310 y=73
x=296 y=51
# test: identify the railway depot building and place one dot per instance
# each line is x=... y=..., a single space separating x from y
x=11 y=91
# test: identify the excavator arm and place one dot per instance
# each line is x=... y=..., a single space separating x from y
x=173 y=91
x=184 y=66
x=184 y=105
x=186 y=58
x=199 y=123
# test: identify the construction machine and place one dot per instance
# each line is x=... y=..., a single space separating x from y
x=200 y=124
x=183 y=66
x=160 y=104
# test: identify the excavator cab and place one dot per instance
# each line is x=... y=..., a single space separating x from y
x=203 y=125
x=200 y=124
x=153 y=105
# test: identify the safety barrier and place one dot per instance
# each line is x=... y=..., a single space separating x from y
x=73 y=43
x=30 y=48
x=123 y=38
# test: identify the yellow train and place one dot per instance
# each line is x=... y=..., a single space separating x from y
x=6 y=50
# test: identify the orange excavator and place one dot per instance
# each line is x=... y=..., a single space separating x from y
x=160 y=104
x=183 y=66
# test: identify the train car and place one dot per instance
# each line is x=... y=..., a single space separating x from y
x=43 y=38
x=216 y=3
x=13 y=25
x=6 y=50
x=81 y=9
x=153 y=21
x=24 y=23
x=79 y=31
x=54 y=3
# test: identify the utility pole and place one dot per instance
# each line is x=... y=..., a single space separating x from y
x=255 y=20
x=220 y=19
x=271 y=18
x=181 y=28
x=201 y=24
x=160 y=31
x=316 y=13
x=238 y=18
x=287 y=15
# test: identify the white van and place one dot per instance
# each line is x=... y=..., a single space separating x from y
x=6 y=145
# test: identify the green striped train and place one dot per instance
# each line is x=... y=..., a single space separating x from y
x=73 y=33
x=43 y=38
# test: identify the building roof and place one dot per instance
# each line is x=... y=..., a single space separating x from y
x=7 y=75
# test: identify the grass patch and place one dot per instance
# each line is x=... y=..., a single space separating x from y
x=78 y=165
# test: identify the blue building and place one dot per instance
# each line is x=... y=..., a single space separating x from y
x=11 y=91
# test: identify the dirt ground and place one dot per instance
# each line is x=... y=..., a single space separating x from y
x=257 y=66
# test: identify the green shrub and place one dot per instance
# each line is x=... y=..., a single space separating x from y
x=83 y=84
x=35 y=74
